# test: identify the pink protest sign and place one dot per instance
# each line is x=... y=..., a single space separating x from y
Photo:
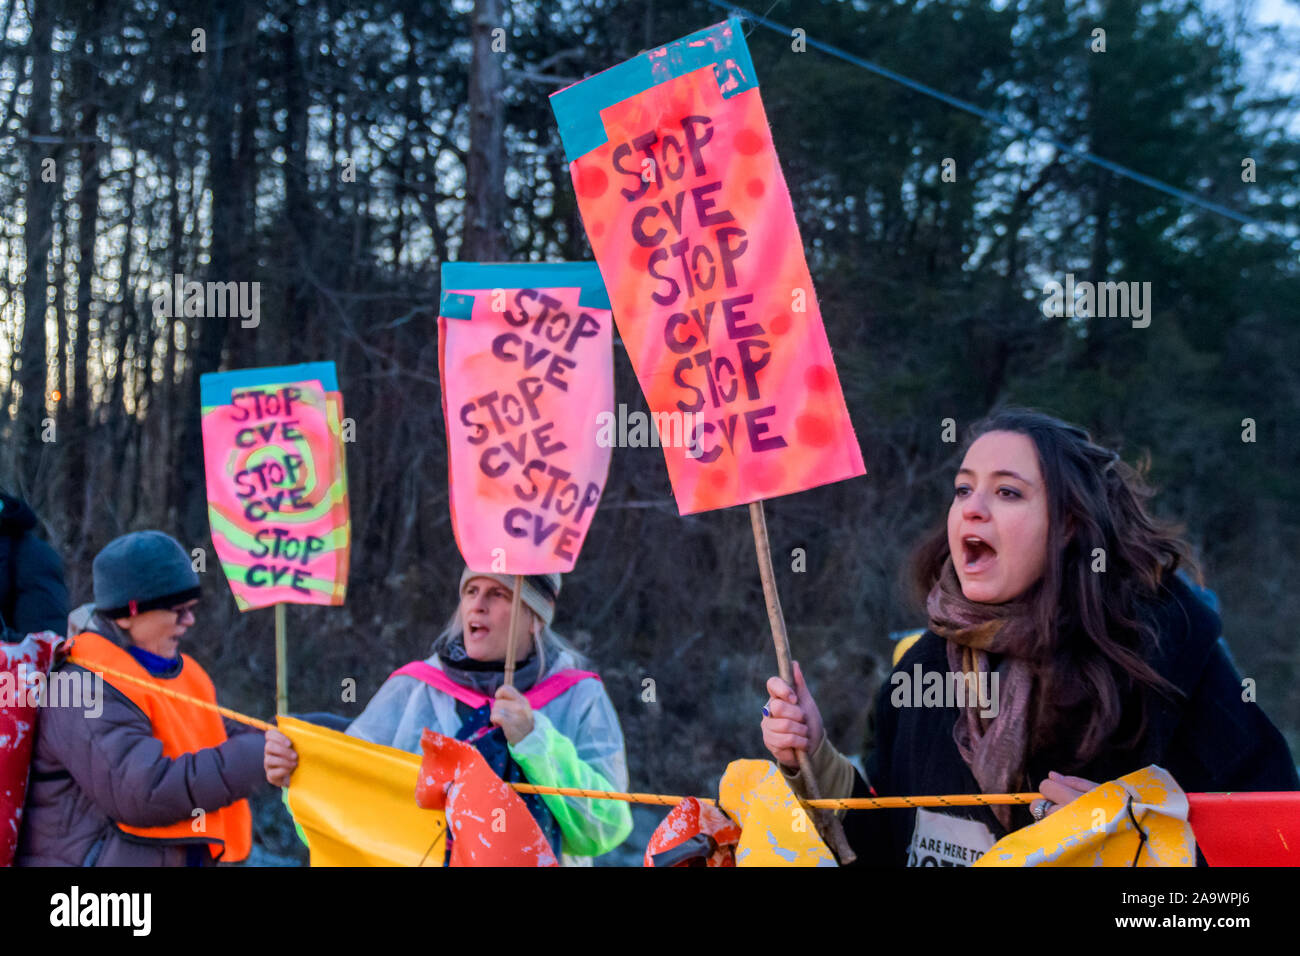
x=277 y=488
x=688 y=213
x=525 y=353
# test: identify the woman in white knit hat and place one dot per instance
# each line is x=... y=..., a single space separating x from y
x=555 y=727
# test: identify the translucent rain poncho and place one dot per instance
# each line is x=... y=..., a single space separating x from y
x=576 y=741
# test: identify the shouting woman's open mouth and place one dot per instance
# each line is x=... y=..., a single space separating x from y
x=977 y=554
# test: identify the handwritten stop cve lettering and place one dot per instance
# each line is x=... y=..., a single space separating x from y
x=274 y=487
x=507 y=423
x=695 y=248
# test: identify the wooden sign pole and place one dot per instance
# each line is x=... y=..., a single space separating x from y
x=827 y=823
x=281 y=664
x=514 y=620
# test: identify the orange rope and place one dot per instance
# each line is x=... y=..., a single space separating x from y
x=848 y=803
x=197 y=702
x=659 y=799
x=950 y=800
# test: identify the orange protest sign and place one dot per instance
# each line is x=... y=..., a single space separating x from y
x=688 y=213
x=526 y=360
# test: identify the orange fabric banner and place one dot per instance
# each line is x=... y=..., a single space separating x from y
x=488 y=823
x=527 y=374
x=688 y=213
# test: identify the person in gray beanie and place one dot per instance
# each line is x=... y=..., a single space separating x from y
x=554 y=727
x=125 y=773
x=143 y=571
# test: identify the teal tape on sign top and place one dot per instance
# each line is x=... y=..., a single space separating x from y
x=483 y=276
x=577 y=108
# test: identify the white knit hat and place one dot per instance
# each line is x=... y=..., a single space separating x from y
x=539 y=591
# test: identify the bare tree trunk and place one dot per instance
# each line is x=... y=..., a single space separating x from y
x=58 y=386
x=485 y=199
x=297 y=193
x=227 y=38
x=53 y=471
x=166 y=453
x=242 y=349
x=77 y=463
x=37 y=233
x=142 y=393
x=120 y=424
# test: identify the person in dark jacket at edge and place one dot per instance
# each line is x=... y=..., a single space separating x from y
x=1094 y=673
x=33 y=595
x=123 y=775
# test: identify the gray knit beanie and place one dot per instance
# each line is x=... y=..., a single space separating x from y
x=142 y=571
x=539 y=590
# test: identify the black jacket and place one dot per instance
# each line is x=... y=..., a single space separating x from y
x=1210 y=741
x=33 y=595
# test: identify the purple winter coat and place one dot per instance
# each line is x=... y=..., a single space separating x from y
x=89 y=771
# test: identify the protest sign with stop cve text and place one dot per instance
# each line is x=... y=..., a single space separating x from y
x=277 y=483
x=687 y=210
x=526 y=359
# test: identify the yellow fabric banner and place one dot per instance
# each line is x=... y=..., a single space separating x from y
x=775 y=830
x=355 y=801
x=1105 y=827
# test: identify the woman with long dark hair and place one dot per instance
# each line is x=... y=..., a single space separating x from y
x=1052 y=597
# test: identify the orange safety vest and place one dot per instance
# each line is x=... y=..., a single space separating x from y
x=183 y=728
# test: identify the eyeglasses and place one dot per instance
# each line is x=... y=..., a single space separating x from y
x=183 y=610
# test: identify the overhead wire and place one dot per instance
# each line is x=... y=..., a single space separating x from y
x=999 y=119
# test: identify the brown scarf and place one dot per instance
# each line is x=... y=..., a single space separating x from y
x=993 y=748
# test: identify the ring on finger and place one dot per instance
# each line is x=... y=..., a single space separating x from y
x=1040 y=808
